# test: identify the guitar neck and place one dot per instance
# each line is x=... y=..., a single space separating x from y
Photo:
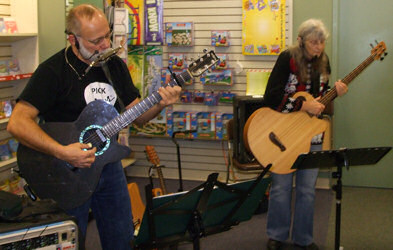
x=161 y=177
x=332 y=94
x=121 y=121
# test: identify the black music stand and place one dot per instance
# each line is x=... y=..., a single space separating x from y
x=340 y=158
x=210 y=208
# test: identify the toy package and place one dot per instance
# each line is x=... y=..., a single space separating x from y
x=206 y=127
x=179 y=34
x=218 y=77
x=199 y=97
x=177 y=61
x=13 y=66
x=220 y=38
x=178 y=121
x=221 y=125
x=186 y=96
x=211 y=99
x=226 y=97
x=5 y=109
x=222 y=63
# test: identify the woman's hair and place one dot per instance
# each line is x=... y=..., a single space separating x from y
x=88 y=11
x=311 y=29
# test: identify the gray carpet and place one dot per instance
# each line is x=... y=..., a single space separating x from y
x=366 y=219
x=247 y=235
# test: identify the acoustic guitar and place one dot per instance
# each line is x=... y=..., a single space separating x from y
x=98 y=124
x=153 y=158
x=137 y=206
x=279 y=138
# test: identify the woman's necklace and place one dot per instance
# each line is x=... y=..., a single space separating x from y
x=72 y=67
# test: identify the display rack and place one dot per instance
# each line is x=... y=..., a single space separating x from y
x=23 y=46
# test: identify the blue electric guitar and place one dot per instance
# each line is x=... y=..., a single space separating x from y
x=98 y=124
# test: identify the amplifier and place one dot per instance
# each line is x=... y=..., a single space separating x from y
x=243 y=107
x=56 y=235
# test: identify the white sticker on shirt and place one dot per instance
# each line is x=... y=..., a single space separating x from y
x=100 y=91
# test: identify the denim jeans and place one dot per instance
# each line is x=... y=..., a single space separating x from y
x=111 y=207
x=279 y=211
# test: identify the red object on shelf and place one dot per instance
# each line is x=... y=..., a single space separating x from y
x=15 y=77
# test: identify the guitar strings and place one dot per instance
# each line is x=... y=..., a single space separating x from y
x=95 y=139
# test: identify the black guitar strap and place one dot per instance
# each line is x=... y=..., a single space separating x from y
x=107 y=73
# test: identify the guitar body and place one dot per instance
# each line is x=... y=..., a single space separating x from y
x=137 y=206
x=294 y=132
x=52 y=178
x=98 y=124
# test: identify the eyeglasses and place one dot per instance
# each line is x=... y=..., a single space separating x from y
x=316 y=42
x=99 y=40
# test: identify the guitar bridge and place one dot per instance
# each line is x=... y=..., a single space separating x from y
x=276 y=141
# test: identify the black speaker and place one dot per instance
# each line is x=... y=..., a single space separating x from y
x=243 y=107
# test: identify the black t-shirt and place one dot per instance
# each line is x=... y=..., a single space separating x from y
x=58 y=94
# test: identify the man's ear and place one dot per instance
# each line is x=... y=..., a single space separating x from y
x=73 y=40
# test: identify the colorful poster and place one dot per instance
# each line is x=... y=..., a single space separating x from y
x=263 y=27
x=135 y=67
x=153 y=26
x=135 y=13
x=152 y=77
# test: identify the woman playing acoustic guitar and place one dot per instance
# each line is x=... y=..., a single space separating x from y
x=303 y=67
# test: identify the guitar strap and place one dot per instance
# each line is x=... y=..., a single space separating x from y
x=107 y=73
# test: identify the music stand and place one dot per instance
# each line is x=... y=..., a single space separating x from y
x=340 y=158
x=210 y=208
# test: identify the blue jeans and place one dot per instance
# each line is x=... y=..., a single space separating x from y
x=279 y=212
x=111 y=207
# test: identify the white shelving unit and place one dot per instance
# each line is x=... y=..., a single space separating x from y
x=24 y=47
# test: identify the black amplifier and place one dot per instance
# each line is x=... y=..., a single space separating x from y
x=243 y=107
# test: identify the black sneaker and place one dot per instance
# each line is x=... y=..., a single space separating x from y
x=273 y=244
x=312 y=246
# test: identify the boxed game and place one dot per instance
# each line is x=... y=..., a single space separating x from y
x=221 y=125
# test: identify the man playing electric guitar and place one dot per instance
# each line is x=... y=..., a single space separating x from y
x=303 y=67
x=58 y=91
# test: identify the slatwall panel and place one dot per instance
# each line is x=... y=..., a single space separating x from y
x=199 y=158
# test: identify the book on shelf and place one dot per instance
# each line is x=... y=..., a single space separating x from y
x=10 y=25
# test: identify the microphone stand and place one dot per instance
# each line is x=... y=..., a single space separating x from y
x=178 y=155
x=178 y=160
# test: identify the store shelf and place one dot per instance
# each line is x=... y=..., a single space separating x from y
x=9 y=38
x=127 y=162
x=4 y=120
x=15 y=77
x=8 y=162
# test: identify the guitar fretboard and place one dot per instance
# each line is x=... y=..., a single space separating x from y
x=121 y=121
x=326 y=99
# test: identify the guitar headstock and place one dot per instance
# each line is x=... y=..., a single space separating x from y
x=199 y=66
x=152 y=155
x=379 y=51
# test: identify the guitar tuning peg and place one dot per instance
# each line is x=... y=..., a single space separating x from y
x=382 y=58
x=371 y=45
x=376 y=41
x=385 y=54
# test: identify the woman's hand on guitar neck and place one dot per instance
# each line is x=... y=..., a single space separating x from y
x=75 y=155
x=313 y=107
x=341 y=88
